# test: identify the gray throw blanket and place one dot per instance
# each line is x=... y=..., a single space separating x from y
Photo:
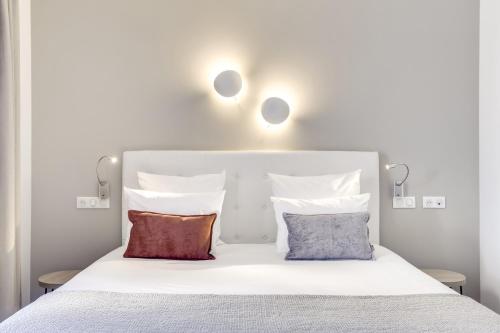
x=91 y=311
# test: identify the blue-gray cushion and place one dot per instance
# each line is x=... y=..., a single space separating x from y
x=327 y=237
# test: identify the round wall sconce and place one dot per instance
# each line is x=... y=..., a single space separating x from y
x=275 y=110
x=228 y=83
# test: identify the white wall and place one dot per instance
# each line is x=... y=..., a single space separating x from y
x=489 y=153
x=395 y=76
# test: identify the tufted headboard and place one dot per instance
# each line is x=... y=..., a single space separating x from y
x=247 y=215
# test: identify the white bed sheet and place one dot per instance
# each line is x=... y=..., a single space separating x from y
x=256 y=269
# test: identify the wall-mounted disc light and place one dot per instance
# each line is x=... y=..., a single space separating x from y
x=228 y=83
x=275 y=110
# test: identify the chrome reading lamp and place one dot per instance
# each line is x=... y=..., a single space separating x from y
x=104 y=185
x=399 y=190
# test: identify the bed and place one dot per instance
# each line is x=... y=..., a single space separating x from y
x=250 y=287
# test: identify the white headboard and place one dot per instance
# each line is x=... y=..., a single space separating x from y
x=247 y=215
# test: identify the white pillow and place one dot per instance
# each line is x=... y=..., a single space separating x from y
x=177 y=203
x=178 y=184
x=336 y=205
x=316 y=187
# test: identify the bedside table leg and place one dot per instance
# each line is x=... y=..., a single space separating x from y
x=45 y=290
x=461 y=292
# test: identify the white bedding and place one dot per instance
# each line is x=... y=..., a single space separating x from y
x=256 y=269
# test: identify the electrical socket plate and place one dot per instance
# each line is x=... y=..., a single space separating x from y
x=403 y=202
x=91 y=202
x=433 y=202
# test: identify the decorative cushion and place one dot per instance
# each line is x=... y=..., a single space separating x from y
x=325 y=237
x=181 y=237
x=335 y=205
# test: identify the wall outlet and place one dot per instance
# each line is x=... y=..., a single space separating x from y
x=434 y=202
x=91 y=202
x=403 y=202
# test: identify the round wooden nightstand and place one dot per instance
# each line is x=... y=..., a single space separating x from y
x=449 y=278
x=56 y=279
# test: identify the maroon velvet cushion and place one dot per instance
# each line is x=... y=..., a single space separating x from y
x=166 y=236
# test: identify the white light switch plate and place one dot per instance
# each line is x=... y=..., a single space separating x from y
x=434 y=202
x=403 y=202
x=91 y=202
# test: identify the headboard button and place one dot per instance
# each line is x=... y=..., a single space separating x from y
x=265 y=237
x=236 y=236
x=264 y=206
x=236 y=207
x=236 y=176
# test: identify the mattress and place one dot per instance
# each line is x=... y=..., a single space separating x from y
x=256 y=269
x=251 y=288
